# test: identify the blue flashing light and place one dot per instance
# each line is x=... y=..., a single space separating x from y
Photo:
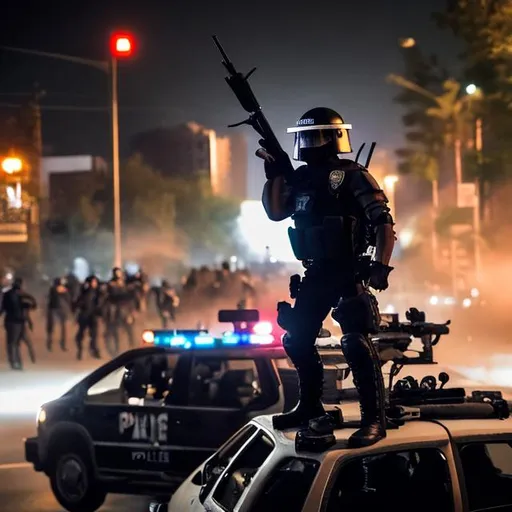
x=178 y=341
x=204 y=340
x=231 y=338
x=183 y=339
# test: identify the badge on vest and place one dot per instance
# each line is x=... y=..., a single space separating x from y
x=336 y=179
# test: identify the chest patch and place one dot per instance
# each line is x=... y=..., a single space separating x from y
x=336 y=179
x=302 y=203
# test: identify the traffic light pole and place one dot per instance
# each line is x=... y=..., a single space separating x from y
x=103 y=66
x=115 y=166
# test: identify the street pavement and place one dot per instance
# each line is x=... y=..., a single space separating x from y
x=488 y=363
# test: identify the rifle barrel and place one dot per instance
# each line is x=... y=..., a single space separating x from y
x=221 y=50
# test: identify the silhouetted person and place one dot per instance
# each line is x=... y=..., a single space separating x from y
x=15 y=305
x=120 y=309
x=59 y=311
x=168 y=302
x=88 y=307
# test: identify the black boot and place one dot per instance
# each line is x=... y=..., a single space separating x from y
x=94 y=353
x=365 y=366
x=310 y=396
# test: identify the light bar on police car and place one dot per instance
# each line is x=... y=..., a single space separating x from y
x=258 y=334
x=179 y=338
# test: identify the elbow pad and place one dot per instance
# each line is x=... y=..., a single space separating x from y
x=371 y=198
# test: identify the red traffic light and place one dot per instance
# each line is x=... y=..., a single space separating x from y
x=121 y=45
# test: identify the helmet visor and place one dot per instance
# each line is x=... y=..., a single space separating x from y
x=314 y=138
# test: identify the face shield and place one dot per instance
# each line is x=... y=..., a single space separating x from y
x=317 y=136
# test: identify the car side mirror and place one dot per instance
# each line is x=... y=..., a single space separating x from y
x=324 y=333
x=198 y=478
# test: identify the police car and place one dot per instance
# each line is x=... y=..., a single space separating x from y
x=453 y=459
x=140 y=423
x=447 y=449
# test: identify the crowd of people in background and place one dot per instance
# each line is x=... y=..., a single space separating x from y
x=91 y=312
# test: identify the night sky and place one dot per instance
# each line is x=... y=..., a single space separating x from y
x=333 y=53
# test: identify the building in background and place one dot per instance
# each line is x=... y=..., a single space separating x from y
x=238 y=182
x=192 y=150
x=65 y=178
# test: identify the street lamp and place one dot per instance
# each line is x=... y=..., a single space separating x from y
x=12 y=165
x=122 y=45
x=407 y=42
x=471 y=89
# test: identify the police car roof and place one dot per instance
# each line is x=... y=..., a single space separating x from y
x=244 y=352
x=411 y=432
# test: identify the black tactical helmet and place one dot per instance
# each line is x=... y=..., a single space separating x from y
x=320 y=128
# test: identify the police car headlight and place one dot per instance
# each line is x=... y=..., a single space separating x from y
x=434 y=300
x=41 y=416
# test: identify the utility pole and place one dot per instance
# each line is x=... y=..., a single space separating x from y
x=33 y=130
x=478 y=210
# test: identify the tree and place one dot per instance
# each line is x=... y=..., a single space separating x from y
x=207 y=220
x=171 y=206
x=485 y=28
x=421 y=84
x=147 y=198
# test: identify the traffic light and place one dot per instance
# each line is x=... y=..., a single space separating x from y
x=122 y=45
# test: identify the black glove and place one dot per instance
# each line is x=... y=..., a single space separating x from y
x=379 y=274
x=275 y=165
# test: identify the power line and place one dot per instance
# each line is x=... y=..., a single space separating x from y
x=75 y=108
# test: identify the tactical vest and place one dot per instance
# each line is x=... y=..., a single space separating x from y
x=329 y=224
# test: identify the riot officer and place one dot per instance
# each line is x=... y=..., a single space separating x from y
x=120 y=310
x=88 y=307
x=16 y=303
x=167 y=303
x=339 y=212
x=58 y=312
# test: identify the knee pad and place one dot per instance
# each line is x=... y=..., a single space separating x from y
x=358 y=314
x=285 y=315
x=357 y=347
x=354 y=344
x=298 y=349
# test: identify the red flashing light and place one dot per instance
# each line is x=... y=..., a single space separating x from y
x=122 y=45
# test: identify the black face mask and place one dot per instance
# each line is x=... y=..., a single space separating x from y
x=319 y=155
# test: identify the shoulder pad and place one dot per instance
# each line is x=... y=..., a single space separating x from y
x=365 y=181
x=350 y=165
x=299 y=175
x=301 y=169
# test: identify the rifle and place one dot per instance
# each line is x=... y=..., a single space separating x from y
x=239 y=84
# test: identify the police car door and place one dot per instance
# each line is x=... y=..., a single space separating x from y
x=126 y=415
x=219 y=389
